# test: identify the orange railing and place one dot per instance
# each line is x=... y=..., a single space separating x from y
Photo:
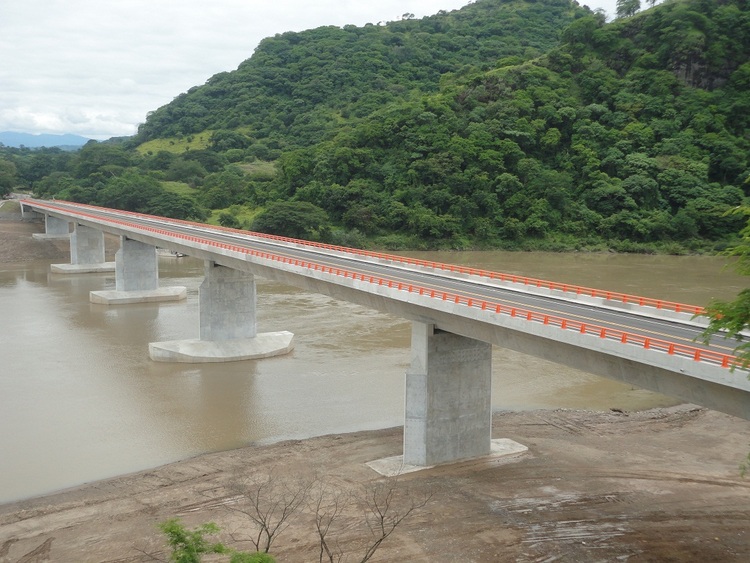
x=659 y=304
x=648 y=343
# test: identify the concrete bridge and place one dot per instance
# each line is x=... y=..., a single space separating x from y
x=457 y=315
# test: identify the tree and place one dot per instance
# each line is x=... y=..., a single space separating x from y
x=268 y=503
x=381 y=507
x=627 y=8
x=94 y=156
x=731 y=318
x=294 y=219
x=189 y=546
x=7 y=177
x=226 y=219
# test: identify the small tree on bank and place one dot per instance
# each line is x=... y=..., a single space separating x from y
x=732 y=318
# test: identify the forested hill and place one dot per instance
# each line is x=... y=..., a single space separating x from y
x=509 y=124
x=299 y=86
x=634 y=133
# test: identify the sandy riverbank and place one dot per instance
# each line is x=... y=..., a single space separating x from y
x=660 y=485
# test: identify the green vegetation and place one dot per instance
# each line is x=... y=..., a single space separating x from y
x=10 y=207
x=190 y=546
x=731 y=319
x=7 y=176
x=515 y=124
x=176 y=145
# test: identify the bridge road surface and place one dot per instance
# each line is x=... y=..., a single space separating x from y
x=656 y=327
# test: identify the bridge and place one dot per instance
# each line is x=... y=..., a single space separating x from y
x=457 y=315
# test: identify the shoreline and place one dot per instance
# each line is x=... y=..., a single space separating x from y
x=591 y=487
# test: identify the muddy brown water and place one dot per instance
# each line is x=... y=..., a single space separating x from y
x=80 y=400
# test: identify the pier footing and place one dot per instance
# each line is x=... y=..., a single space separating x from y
x=262 y=345
x=114 y=297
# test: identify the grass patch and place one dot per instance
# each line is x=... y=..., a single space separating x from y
x=179 y=188
x=258 y=170
x=242 y=213
x=10 y=206
x=177 y=145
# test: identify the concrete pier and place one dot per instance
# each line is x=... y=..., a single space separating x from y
x=228 y=327
x=228 y=300
x=448 y=398
x=86 y=245
x=86 y=253
x=137 y=277
x=54 y=228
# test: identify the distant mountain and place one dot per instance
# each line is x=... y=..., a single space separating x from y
x=12 y=139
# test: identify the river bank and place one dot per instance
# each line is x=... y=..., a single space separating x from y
x=656 y=485
x=660 y=485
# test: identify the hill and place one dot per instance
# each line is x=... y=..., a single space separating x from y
x=299 y=87
x=523 y=124
x=634 y=133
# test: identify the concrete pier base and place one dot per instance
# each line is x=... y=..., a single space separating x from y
x=46 y=236
x=500 y=450
x=104 y=267
x=114 y=297
x=228 y=329
x=263 y=345
x=86 y=253
x=448 y=398
x=137 y=278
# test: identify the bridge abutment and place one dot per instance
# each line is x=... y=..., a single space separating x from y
x=228 y=326
x=137 y=277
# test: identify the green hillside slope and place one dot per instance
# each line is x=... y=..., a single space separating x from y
x=629 y=133
x=508 y=124
x=297 y=87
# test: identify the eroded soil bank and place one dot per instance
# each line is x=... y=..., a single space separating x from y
x=660 y=485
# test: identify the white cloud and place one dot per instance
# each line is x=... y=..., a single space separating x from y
x=96 y=67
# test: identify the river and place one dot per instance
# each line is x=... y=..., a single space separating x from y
x=80 y=400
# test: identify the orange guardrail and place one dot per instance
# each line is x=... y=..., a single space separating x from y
x=659 y=304
x=633 y=339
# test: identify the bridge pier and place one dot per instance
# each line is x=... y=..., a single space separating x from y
x=54 y=228
x=137 y=277
x=448 y=397
x=228 y=327
x=86 y=253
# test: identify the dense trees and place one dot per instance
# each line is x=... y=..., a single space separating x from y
x=516 y=124
x=8 y=176
x=301 y=220
x=296 y=87
x=627 y=8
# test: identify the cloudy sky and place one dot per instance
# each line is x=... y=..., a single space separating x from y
x=97 y=67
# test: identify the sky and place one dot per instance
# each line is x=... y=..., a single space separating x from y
x=95 y=68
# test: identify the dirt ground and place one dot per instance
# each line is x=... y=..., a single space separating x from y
x=659 y=485
x=16 y=244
